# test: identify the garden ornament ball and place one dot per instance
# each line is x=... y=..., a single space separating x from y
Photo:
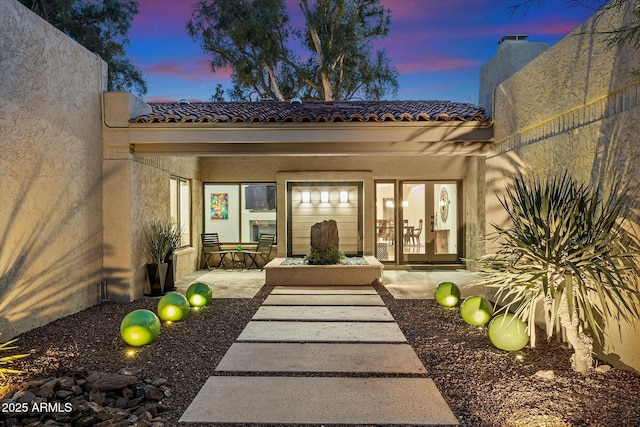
x=140 y=327
x=447 y=294
x=173 y=307
x=476 y=311
x=508 y=333
x=199 y=294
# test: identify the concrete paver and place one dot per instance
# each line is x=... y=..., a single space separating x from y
x=319 y=400
x=319 y=312
x=323 y=300
x=320 y=357
x=285 y=331
x=331 y=290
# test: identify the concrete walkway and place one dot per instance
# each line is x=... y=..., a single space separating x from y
x=307 y=357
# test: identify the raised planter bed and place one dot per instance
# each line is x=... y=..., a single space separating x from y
x=319 y=275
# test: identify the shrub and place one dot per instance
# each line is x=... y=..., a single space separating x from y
x=331 y=256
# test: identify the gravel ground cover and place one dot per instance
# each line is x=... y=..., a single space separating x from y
x=482 y=385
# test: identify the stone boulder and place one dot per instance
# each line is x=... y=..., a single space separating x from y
x=324 y=235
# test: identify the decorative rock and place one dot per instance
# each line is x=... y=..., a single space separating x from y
x=603 y=368
x=547 y=375
x=102 y=381
x=324 y=235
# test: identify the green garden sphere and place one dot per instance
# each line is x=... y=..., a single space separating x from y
x=140 y=327
x=447 y=294
x=199 y=294
x=173 y=307
x=508 y=333
x=476 y=311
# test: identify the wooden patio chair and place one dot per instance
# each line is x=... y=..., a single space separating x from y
x=210 y=246
x=262 y=252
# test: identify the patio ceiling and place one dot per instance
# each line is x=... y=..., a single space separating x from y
x=312 y=128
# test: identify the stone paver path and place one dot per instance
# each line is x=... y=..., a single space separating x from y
x=336 y=363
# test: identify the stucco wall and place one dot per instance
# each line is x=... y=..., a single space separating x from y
x=136 y=191
x=51 y=172
x=574 y=108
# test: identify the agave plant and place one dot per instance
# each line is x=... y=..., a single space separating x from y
x=7 y=360
x=568 y=249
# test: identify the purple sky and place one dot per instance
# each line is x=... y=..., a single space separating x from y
x=437 y=46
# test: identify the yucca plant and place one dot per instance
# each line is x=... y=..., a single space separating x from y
x=568 y=247
x=7 y=360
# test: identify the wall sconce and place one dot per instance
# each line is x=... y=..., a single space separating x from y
x=344 y=197
x=389 y=204
x=324 y=197
x=405 y=203
x=306 y=197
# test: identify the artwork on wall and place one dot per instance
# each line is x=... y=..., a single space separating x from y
x=219 y=206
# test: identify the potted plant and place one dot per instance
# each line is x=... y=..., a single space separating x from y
x=175 y=236
x=567 y=248
x=157 y=237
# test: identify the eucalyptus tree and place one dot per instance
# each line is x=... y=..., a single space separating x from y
x=569 y=248
x=102 y=26
x=330 y=58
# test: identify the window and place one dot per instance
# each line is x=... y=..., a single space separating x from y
x=180 y=194
x=239 y=213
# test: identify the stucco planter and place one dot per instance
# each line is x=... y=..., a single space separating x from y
x=321 y=275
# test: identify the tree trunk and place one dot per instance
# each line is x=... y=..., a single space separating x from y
x=582 y=359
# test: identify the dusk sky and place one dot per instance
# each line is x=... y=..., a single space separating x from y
x=437 y=46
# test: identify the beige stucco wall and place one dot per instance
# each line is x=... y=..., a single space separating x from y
x=575 y=108
x=50 y=172
x=136 y=191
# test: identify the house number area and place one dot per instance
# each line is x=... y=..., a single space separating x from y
x=35 y=407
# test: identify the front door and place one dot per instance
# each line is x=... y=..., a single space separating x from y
x=429 y=231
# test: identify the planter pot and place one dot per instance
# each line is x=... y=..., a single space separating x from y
x=172 y=268
x=157 y=274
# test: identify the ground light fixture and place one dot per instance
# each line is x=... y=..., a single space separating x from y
x=447 y=294
x=476 y=311
x=199 y=294
x=508 y=332
x=173 y=307
x=140 y=327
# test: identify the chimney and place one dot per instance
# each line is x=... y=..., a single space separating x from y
x=514 y=52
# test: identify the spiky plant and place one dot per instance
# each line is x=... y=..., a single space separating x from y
x=7 y=360
x=160 y=238
x=567 y=247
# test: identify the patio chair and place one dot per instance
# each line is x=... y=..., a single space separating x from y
x=210 y=246
x=262 y=252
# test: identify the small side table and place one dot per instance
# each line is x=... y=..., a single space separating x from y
x=236 y=258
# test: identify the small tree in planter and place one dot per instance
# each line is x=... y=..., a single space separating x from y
x=568 y=248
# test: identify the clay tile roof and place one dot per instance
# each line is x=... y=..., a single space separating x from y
x=311 y=111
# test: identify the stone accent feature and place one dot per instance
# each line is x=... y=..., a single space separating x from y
x=94 y=399
x=324 y=235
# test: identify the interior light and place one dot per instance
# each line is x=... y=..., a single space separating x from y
x=306 y=197
x=405 y=203
x=324 y=197
x=389 y=203
x=344 y=197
